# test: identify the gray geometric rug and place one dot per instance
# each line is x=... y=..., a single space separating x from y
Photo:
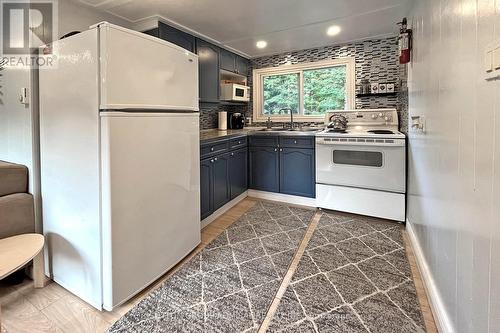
x=353 y=277
x=229 y=286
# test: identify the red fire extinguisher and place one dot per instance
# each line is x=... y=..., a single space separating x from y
x=404 y=42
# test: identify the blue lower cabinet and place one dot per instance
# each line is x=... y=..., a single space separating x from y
x=221 y=180
x=288 y=167
x=238 y=174
x=206 y=188
x=264 y=169
x=272 y=164
x=297 y=171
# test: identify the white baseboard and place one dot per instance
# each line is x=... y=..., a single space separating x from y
x=443 y=322
x=285 y=198
x=223 y=209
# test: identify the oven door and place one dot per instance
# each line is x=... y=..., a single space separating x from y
x=378 y=165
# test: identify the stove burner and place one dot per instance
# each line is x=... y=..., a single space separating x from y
x=380 y=132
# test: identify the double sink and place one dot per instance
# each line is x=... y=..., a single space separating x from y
x=288 y=131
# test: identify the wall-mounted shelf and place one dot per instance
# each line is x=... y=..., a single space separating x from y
x=375 y=95
x=232 y=77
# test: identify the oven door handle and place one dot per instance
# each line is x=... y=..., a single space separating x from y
x=395 y=143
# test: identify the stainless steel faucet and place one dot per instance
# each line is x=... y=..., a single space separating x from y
x=291 y=116
x=269 y=123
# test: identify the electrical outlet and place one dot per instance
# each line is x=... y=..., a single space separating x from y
x=418 y=124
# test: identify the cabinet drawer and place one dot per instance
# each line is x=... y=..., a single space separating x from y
x=213 y=148
x=264 y=141
x=297 y=142
x=238 y=143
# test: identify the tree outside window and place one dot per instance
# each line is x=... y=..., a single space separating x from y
x=309 y=90
x=324 y=89
x=281 y=92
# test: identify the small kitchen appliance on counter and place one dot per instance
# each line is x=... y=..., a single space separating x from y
x=338 y=123
x=361 y=164
x=235 y=120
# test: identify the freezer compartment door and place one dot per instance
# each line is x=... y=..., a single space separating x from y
x=150 y=198
x=139 y=71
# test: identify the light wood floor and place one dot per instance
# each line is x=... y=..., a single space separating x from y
x=53 y=309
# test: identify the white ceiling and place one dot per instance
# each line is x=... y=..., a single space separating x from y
x=286 y=25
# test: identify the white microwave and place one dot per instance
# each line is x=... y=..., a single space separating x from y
x=235 y=92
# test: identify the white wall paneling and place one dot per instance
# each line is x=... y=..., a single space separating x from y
x=454 y=167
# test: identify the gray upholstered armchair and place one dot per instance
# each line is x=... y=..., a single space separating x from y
x=16 y=205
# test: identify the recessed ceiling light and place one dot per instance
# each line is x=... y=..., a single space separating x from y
x=261 y=44
x=333 y=30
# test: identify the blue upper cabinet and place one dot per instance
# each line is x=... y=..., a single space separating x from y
x=177 y=37
x=297 y=171
x=242 y=65
x=227 y=60
x=209 y=78
x=233 y=63
x=174 y=36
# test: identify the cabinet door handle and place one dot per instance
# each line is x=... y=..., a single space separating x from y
x=215 y=159
x=239 y=142
x=232 y=154
x=295 y=141
x=275 y=149
x=281 y=149
x=211 y=161
x=212 y=149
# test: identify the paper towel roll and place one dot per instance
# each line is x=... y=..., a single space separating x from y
x=222 y=121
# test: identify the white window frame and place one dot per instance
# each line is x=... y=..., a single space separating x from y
x=258 y=77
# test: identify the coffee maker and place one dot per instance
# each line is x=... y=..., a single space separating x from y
x=235 y=120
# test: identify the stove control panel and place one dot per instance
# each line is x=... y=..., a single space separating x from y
x=367 y=117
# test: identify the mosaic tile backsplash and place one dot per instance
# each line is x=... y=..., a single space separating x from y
x=209 y=114
x=376 y=61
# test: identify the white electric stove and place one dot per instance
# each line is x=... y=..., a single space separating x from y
x=362 y=169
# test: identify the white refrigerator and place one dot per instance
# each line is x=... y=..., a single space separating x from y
x=119 y=139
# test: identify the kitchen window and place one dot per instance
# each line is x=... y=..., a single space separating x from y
x=309 y=90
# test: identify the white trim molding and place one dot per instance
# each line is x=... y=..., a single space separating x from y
x=443 y=322
x=259 y=74
x=285 y=198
